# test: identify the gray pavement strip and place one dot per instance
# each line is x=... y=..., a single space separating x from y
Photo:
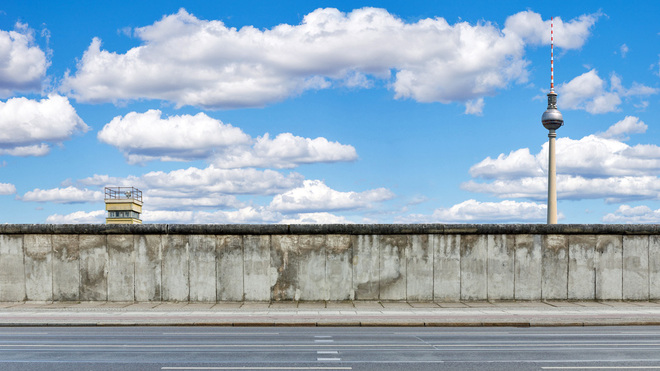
x=374 y=313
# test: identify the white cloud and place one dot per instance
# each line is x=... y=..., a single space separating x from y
x=68 y=195
x=314 y=195
x=28 y=126
x=633 y=215
x=210 y=180
x=246 y=215
x=596 y=166
x=630 y=124
x=78 y=217
x=147 y=136
x=474 y=107
x=285 y=151
x=588 y=92
x=612 y=189
x=22 y=64
x=568 y=35
x=7 y=189
x=472 y=211
x=167 y=216
x=190 y=61
x=316 y=218
x=624 y=50
x=592 y=156
x=189 y=201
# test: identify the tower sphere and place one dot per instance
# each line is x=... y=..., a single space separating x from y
x=552 y=119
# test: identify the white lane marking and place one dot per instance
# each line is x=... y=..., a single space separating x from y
x=328 y=359
x=603 y=368
x=327 y=352
x=256 y=368
x=324 y=341
x=323 y=336
x=222 y=333
x=22 y=333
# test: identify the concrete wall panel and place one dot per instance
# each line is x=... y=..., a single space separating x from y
x=654 y=268
x=229 y=252
x=366 y=267
x=175 y=269
x=12 y=271
x=609 y=267
x=419 y=269
x=635 y=267
x=284 y=258
x=501 y=267
x=447 y=267
x=93 y=268
x=38 y=267
x=311 y=282
x=393 y=272
x=121 y=268
x=474 y=267
x=202 y=268
x=148 y=261
x=528 y=270
x=66 y=267
x=554 y=268
x=581 y=267
x=339 y=267
x=258 y=271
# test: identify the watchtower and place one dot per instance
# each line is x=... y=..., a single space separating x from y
x=123 y=204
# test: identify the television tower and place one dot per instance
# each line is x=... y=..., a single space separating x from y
x=552 y=120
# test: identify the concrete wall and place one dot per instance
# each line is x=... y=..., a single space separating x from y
x=210 y=263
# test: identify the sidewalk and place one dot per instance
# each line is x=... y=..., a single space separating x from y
x=357 y=313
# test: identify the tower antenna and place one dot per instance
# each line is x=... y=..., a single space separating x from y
x=552 y=55
x=552 y=120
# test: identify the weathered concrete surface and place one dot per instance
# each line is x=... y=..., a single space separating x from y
x=447 y=267
x=554 y=267
x=148 y=262
x=528 y=267
x=501 y=267
x=203 y=268
x=581 y=267
x=419 y=268
x=366 y=267
x=392 y=274
x=93 y=268
x=311 y=280
x=38 y=267
x=609 y=267
x=474 y=262
x=285 y=255
x=654 y=267
x=12 y=273
x=175 y=270
x=210 y=263
x=121 y=268
x=339 y=267
x=229 y=268
x=257 y=271
x=66 y=267
x=635 y=267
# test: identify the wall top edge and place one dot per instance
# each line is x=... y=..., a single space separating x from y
x=351 y=229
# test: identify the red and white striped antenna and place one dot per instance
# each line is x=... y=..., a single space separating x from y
x=552 y=55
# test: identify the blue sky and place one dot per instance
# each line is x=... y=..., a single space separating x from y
x=328 y=112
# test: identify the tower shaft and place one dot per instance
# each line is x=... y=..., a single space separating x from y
x=552 y=179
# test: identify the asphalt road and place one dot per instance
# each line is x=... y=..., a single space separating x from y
x=314 y=348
